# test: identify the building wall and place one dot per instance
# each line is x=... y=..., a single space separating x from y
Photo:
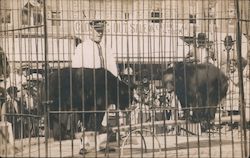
x=74 y=12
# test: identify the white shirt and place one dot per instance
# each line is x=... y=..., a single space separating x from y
x=87 y=56
x=201 y=55
x=173 y=102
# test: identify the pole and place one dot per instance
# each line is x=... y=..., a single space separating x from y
x=240 y=75
x=46 y=108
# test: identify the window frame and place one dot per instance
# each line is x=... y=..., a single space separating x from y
x=26 y=21
x=192 y=19
x=37 y=17
x=32 y=14
x=6 y=16
x=56 y=15
x=154 y=18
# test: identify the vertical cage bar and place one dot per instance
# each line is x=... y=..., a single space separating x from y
x=240 y=75
x=46 y=110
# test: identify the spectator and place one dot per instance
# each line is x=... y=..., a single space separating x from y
x=2 y=100
x=4 y=65
x=128 y=74
x=172 y=102
x=16 y=79
x=12 y=106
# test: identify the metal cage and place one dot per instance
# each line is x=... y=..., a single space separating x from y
x=124 y=78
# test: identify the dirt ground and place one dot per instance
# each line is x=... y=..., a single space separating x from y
x=228 y=144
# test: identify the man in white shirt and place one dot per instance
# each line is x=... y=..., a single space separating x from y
x=91 y=52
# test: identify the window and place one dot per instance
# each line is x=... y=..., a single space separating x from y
x=5 y=16
x=192 y=19
x=56 y=15
x=31 y=13
x=5 y=11
x=25 y=17
x=37 y=18
x=156 y=15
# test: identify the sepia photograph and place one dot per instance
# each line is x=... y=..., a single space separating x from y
x=125 y=78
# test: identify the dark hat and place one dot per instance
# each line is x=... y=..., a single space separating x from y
x=12 y=90
x=98 y=25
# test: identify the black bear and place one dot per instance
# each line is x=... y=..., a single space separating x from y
x=199 y=87
x=83 y=89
